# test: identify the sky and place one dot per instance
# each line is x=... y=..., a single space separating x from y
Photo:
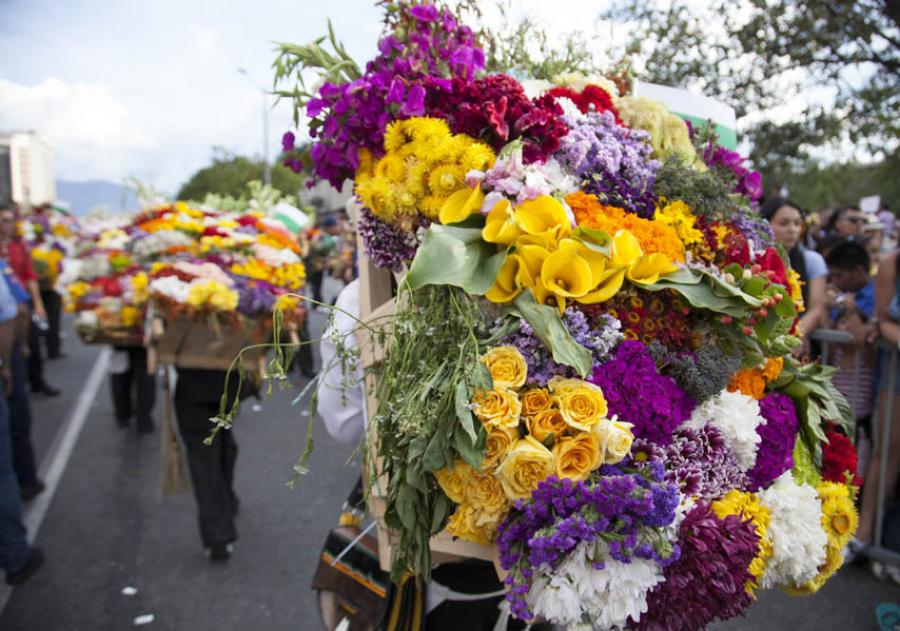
x=147 y=89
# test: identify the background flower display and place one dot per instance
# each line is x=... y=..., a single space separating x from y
x=589 y=362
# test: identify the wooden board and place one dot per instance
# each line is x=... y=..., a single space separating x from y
x=190 y=344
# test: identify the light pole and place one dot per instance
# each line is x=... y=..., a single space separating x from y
x=267 y=173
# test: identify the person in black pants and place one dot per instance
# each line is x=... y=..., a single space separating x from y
x=197 y=397
x=53 y=306
x=134 y=384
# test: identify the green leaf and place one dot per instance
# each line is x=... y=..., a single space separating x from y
x=463 y=413
x=472 y=453
x=438 y=453
x=701 y=296
x=405 y=505
x=596 y=240
x=456 y=255
x=441 y=510
x=548 y=326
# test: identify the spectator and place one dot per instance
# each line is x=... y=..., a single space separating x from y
x=888 y=321
x=16 y=254
x=846 y=222
x=133 y=388
x=848 y=270
x=17 y=558
x=787 y=224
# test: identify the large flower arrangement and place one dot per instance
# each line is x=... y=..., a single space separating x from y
x=590 y=364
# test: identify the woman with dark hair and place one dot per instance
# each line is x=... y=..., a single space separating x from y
x=787 y=220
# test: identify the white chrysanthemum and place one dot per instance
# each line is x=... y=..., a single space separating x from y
x=608 y=598
x=737 y=416
x=535 y=88
x=798 y=541
x=172 y=287
x=160 y=241
x=276 y=257
x=569 y=108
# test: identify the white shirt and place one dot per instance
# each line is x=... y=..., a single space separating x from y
x=342 y=400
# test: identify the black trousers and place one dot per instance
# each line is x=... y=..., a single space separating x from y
x=197 y=395
x=35 y=361
x=134 y=391
x=53 y=305
x=19 y=402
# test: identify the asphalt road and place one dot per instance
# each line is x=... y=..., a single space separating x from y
x=107 y=527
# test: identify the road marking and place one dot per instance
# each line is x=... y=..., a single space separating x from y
x=57 y=458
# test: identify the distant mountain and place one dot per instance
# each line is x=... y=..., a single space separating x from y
x=85 y=196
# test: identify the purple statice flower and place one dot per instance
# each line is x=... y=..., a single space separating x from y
x=387 y=247
x=707 y=581
x=427 y=45
x=638 y=394
x=613 y=162
x=599 y=335
x=255 y=297
x=747 y=183
x=621 y=507
x=701 y=464
x=755 y=229
x=776 y=448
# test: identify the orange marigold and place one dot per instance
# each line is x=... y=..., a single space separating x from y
x=749 y=382
x=653 y=236
x=772 y=370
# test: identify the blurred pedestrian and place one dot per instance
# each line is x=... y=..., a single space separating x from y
x=846 y=222
x=788 y=222
x=17 y=559
x=133 y=387
x=198 y=394
x=14 y=250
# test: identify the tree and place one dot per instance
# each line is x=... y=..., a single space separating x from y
x=840 y=58
x=228 y=176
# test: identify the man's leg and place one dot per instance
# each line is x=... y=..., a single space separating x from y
x=20 y=424
x=13 y=541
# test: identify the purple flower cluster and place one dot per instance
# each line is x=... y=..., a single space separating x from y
x=754 y=228
x=255 y=297
x=426 y=42
x=638 y=394
x=707 y=581
x=620 y=507
x=388 y=248
x=776 y=448
x=599 y=335
x=613 y=162
x=748 y=183
x=700 y=462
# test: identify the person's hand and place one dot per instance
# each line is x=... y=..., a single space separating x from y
x=40 y=312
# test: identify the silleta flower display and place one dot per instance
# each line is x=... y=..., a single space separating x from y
x=589 y=363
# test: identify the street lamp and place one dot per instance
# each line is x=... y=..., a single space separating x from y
x=267 y=174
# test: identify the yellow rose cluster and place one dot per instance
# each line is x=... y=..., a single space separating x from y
x=548 y=260
x=424 y=163
x=532 y=433
x=212 y=294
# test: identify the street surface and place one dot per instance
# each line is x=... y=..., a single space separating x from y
x=107 y=527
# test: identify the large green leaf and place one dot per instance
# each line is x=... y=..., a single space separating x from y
x=456 y=255
x=548 y=326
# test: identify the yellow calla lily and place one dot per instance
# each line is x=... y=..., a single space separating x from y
x=461 y=204
x=647 y=269
x=512 y=278
x=595 y=259
x=501 y=226
x=625 y=249
x=542 y=215
x=547 y=240
x=609 y=284
x=533 y=257
x=566 y=274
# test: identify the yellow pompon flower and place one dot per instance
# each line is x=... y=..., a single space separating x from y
x=213 y=294
x=839 y=517
x=366 y=163
x=772 y=368
x=373 y=193
x=461 y=204
x=448 y=150
x=748 y=507
x=392 y=167
x=446 y=179
x=478 y=157
x=396 y=135
x=416 y=181
x=140 y=283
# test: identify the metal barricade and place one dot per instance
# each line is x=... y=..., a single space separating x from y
x=882 y=423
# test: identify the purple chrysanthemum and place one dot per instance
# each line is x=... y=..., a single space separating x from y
x=612 y=161
x=701 y=463
x=638 y=394
x=776 y=448
x=707 y=582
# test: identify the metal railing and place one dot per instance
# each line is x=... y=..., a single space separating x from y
x=882 y=423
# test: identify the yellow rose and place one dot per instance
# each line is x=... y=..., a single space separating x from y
x=577 y=456
x=499 y=440
x=615 y=440
x=500 y=408
x=535 y=400
x=485 y=494
x=582 y=405
x=545 y=423
x=463 y=524
x=525 y=466
x=507 y=366
x=453 y=482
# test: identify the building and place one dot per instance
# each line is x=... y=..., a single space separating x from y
x=26 y=169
